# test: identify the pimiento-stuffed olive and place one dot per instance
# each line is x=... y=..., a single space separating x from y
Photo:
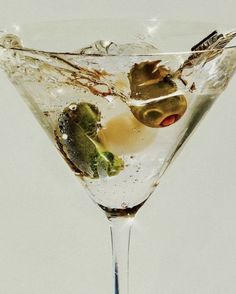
x=149 y=80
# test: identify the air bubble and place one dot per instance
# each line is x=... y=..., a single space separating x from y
x=64 y=136
x=73 y=107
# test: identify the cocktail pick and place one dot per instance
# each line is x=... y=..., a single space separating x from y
x=212 y=46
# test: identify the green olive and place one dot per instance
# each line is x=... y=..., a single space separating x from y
x=161 y=113
x=78 y=141
x=150 y=80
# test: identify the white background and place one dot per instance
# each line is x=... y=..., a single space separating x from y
x=53 y=240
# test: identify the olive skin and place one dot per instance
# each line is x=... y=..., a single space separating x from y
x=150 y=80
x=162 y=113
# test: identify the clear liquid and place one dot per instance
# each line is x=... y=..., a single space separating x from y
x=50 y=82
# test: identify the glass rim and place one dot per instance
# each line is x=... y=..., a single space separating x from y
x=66 y=53
x=116 y=19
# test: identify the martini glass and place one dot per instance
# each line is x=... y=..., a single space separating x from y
x=118 y=99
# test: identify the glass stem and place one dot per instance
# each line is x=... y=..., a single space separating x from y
x=120 y=239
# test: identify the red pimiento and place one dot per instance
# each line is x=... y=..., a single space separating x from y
x=169 y=120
